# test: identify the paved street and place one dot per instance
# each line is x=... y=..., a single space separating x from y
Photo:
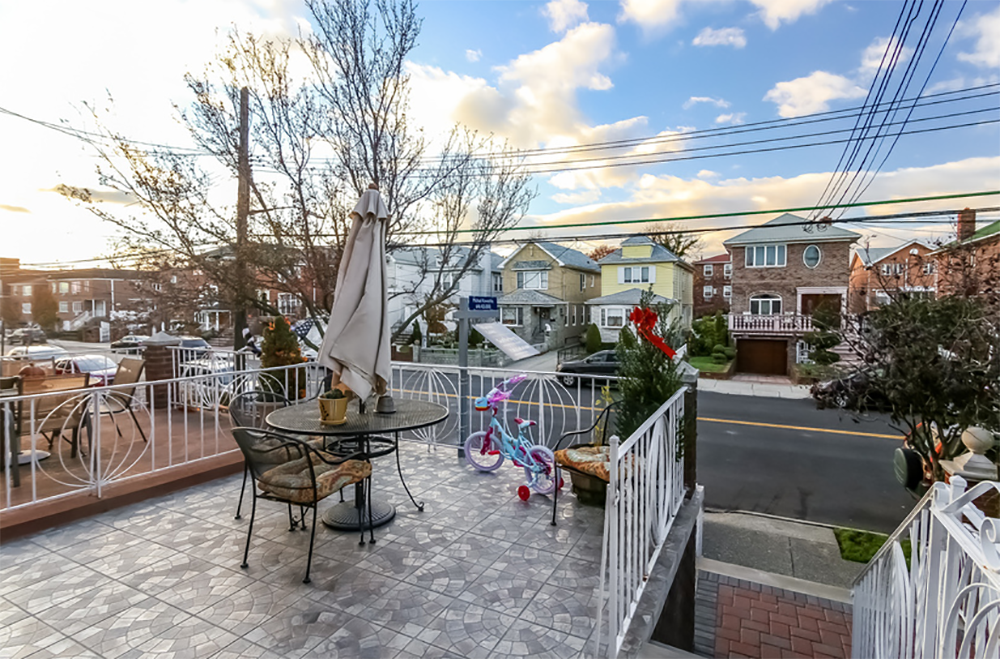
x=798 y=471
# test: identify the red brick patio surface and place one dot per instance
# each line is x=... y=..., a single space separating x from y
x=762 y=622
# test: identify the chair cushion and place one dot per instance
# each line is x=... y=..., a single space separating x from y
x=591 y=460
x=265 y=455
x=292 y=481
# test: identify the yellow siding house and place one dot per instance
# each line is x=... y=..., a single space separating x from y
x=640 y=265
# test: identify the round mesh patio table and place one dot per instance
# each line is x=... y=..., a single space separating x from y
x=371 y=434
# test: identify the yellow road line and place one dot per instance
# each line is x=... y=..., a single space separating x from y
x=826 y=430
x=701 y=418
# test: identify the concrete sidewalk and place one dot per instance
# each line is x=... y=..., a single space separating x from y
x=766 y=390
x=779 y=546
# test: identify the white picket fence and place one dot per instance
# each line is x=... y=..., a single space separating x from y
x=946 y=603
x=645 y=492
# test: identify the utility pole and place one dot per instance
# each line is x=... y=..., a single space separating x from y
x=242 y=213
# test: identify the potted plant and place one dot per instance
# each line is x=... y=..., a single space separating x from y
x=333 y=408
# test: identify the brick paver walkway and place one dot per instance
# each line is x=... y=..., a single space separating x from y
x=736 y=618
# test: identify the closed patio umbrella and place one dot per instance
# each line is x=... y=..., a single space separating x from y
x=356 y=344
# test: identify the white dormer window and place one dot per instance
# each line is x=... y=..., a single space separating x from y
x=708 y=270
x=636 y=275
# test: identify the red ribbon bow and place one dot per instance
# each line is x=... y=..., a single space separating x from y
x=644 y=321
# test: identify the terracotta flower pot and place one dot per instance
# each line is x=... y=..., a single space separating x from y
x=332 y=411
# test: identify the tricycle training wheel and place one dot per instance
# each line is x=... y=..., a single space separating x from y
x=523 y=492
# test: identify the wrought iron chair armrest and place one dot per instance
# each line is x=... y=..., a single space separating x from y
x=358 y=455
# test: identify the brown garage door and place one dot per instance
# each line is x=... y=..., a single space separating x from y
x=762 y=356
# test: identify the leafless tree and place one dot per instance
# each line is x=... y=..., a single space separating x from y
x=316 y=145
x=676 y=239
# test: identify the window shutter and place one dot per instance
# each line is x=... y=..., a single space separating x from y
x=621 y=280
x=652 y=274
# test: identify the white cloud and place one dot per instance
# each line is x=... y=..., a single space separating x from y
x=733 y=118
x=577 y=198
x=812 y=93
x=987 y=28
x=564 y=14
x=776 y=12
x=727 y=36
x=872 y=57
x=650 y=14
x=473 y=55
x=707 y=174
x=695 y=100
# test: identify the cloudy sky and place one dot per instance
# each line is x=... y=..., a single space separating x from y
x=542 y=75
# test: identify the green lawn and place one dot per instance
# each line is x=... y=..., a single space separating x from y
x=706 y=364
x=860 y=546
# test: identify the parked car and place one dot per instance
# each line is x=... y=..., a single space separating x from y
x=130 y=343
x=27 y=335
x=208 y=383
x=853 y=391
x=102 y=368
x=40 y=352
x=600 y=363
x=195 y=344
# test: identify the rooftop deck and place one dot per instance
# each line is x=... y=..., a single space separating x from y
x=478 y=573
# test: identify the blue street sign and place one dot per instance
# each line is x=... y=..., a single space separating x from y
x=482 y=303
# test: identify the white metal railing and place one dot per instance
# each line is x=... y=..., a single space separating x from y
x=645 y=492
x=946 y=602
x=57 y=443
x=775 y=324
x=186 y=419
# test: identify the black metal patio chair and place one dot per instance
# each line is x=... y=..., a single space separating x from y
x=250 y=410
x=302 y=475
x=597 y=431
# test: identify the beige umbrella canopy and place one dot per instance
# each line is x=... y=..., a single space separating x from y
x=356 y=344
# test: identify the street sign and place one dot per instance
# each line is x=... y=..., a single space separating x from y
x=482 y=303
x=511 y=344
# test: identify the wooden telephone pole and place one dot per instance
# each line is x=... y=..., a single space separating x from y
x=239 y=310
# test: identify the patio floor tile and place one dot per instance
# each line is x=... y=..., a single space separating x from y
x=26 y=636
x=526 y=640
x=507 y=592
x=446 y=575
x=467 y=630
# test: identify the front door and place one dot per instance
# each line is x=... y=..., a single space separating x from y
x=829 y=301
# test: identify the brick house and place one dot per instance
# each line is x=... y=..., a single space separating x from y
x=639 y=265
x=545 y=287
x=970 y=265
x=713 y=285
x=879 y=272
x=782 y=272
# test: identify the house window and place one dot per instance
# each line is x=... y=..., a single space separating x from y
x=63 y=287
x=882 y=298
x=583 y=281
x=76 y=287
x=288 y=304
x=100 y=309
x=928 y=268
x=64 y=307
x=634 y=274
x=497 y=282
x=157 y=287
x=765 y=256
x=26 y=307
x=78 y=307
x=708 y=270
x=727 y=292
x=173 y=279
x=886 y=269
x=536 y=280
x=811 y=256
x=26 y=290
x=572 y=314
x=727 y=270
x=765 y=305
x=591 y=281
x=513 y=316
x=707 y=292
x=615 y=317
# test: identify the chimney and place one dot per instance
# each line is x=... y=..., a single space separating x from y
x=966 y=224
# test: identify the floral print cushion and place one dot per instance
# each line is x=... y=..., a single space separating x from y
x=292 y=480
x=591 y=460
